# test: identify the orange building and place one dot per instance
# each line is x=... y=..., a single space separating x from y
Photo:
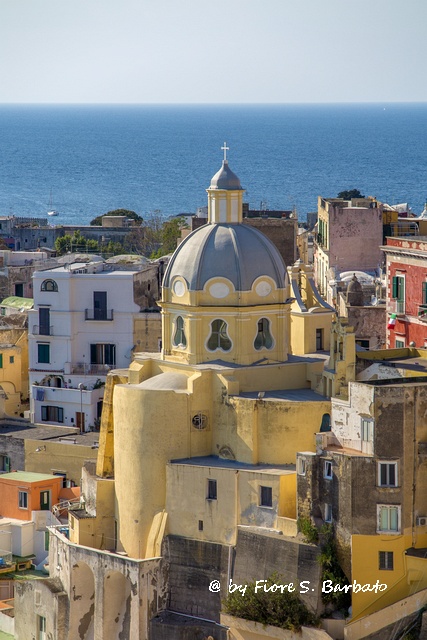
x=22 y=492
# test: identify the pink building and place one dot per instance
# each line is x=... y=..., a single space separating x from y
x=349 y=236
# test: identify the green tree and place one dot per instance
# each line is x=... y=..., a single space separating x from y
x=75 y=243
x=169 y=233
x=348 y=195
x=97 y=222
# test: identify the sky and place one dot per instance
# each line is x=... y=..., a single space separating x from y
x=212 y=51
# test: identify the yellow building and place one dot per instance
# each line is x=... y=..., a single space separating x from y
x=224 y=386
x=14 y=370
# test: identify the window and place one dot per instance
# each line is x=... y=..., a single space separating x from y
x=387 y=474
x=1 y=361
x=424 y=294
x=327 y=470
x=43 y=352
x=388 y=518
x=100 y=305
x=179 y=339
x=319 y=339
x=399 y=344
x=219 y=338
x=11 y=359
x=46 y=540
x=49 y=285
x=22 y=499
x=212 y=490
x=103 y=354
x=301 y=466
x=4 y=463
x=263 y=338
x=398 y=293
x=200 y=525
x=328 y=513
x=44 y=321
x=42 y=628
x=385 y=560
x=367 y=430
x=52 y=414
x=63 y=475
x=265 y=497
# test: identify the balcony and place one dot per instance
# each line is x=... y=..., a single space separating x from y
x=85 y=369
x=422 y=312
x=99 y=314
x=42 y=330
x=397 y=307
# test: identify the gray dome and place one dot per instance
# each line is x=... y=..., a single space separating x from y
x=237 y=252
x=225 y=179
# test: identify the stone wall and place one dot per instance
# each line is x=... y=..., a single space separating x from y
x=259 y=555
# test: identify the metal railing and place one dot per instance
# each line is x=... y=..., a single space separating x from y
x=82 y=368
x=43 y=330
x=99 y=314
x=396 y=306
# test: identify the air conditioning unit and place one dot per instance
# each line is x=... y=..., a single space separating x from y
x=422 y=521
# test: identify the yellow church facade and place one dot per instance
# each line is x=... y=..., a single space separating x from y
x=227 y=392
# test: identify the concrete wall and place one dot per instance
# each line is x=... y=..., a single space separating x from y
x=190 y=566
x=259 y=555
x=281 y=232
x=13 y=448
x=46 y=598
x=108 y=595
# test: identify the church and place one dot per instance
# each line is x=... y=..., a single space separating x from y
x=196 y=474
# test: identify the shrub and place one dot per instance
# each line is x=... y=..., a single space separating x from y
x=284 y=610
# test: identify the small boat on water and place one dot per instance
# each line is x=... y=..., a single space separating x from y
x=52 y=212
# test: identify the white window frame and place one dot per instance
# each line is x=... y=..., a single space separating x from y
x=389 y=508
x=327 y=469
x=301 y=466
x=388 y=463
x=366 y=430
x=400 y=302
x=23 y=502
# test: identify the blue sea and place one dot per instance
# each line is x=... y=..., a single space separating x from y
x=93 y=159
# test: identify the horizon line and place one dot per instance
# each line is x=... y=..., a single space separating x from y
x=211 y=104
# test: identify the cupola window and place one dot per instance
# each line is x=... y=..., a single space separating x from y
x=49 y=285
x=263 y=339
x=179 y=339
x=219 y=338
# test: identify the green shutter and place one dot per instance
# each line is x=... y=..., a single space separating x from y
x=424 y=293
x=394 y=287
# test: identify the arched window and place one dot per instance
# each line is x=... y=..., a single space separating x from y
x=219 y=338
x=49 y=285
x=263 y=339
x=179 y=339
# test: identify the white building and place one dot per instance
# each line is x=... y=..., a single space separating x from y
x=81 y=327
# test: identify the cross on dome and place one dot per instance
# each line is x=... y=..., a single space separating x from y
x=225 y=149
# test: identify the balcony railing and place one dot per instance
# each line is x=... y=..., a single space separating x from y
x=397 y=306
x=82 y=368
x=422 y=312
x=42 y=330
x=99 y=314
